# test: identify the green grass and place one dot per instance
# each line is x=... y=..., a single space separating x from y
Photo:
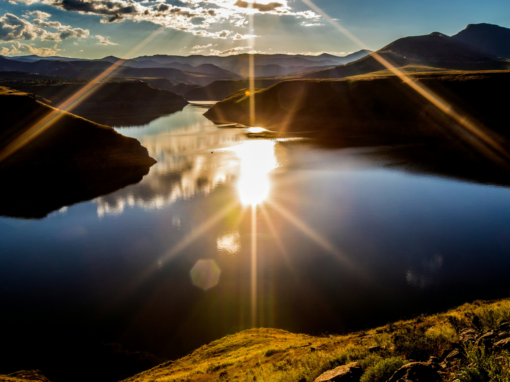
x=382 y=370
x=484 y=366
x=272 y=355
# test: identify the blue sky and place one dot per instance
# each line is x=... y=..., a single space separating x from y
x=129 y=28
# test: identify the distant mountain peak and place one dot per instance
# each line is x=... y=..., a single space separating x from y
x=438 y=34
x=490 y=38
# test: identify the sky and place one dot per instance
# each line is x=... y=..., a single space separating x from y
x=130 y=28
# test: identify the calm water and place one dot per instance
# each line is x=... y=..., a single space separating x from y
x=226 y=232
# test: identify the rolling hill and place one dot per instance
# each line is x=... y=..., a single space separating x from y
x=88 y=69
x=434 y=50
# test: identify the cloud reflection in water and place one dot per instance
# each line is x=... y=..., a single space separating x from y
x=195 y=158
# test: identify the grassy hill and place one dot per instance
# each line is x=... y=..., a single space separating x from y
x=467 y=342
x=272 y=355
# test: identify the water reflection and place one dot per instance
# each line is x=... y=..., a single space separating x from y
x=194 y=157
x=257 y=160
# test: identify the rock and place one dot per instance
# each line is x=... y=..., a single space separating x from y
x=454 y=354
x=467 y=335
x=487 y=339
x=375 y=349
x=416 y=372
x=434 y=360
x=347 y=373
x=503 y=334
x=503 y=344
x=505 y=325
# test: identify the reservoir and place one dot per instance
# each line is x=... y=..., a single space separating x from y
x=229 y=232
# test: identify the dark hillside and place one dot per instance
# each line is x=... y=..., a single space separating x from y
x=71 y=160
x=223 y=88
x=126 y=103
x=383 y=107
x=490 y=38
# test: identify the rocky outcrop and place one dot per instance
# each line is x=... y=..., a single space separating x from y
x=416 y=372
x=346 y=373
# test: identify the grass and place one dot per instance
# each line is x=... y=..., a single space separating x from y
x=484 y=366
x=382 y=370
x=272 y=355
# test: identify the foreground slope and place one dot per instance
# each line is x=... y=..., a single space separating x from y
x=70 y=160
x=435 y=50
x=276 y=355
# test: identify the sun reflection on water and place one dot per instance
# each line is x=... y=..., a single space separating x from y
x=257 y=160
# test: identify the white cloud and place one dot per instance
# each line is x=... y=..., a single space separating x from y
x=104 y=40
x=237 y=49
x=37 y=14
x=13 y=28
x=19 y=48
x=194 y=16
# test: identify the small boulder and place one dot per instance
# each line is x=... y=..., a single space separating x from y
x=454 y=354
x=487 y=339
x=467 y=335
x=416 y=372
x=347 y=373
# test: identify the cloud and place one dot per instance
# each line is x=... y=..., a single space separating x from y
x=237 y=49
x=19 y=48
x=13 y=28
x=68 y=32
x=104 y=40
x=37 y=14
x=258 y=6
x=216 y=19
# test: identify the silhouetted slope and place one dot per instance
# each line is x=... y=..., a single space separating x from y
x=114 y=103
x=435 y=50
x=72 y=160
x=490 y=38
x=384 y=106
x=223 y=88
